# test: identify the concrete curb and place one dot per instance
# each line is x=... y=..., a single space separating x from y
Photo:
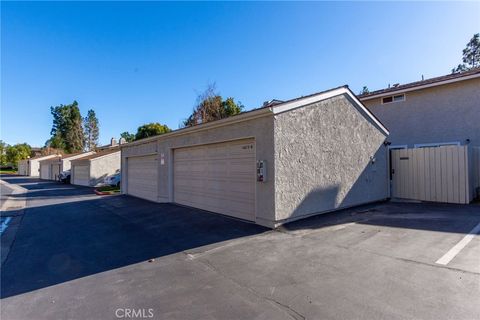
x=105 y=193
x=17 y=204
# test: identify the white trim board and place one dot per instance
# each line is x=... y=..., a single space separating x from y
x=287 y=106
x=436 y=144
x=397 y=146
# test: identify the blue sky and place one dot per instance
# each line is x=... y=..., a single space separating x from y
x=135 y=63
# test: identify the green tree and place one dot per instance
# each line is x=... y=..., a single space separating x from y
x=129 y=137
x=364 y=90
x=92 y=131
x=211 y=106
x=17 y=152
x=3 y=153
x=67 y=131
x=470 y=55
x=150 y=130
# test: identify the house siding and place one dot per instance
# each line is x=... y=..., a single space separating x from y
x=444 y=113
x=323 y=159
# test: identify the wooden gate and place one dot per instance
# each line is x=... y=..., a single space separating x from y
x=438 y=174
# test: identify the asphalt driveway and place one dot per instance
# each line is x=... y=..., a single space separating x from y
x=76 y=255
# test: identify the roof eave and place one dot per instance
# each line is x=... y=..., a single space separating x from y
x=205 y=126
x=327 y=95
x=419 y=87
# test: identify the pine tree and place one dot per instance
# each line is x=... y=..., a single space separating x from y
x=471 y=55
x=67 y=131
x=92 y=131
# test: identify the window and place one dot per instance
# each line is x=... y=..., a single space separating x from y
x=395 y=98
x=437 y=144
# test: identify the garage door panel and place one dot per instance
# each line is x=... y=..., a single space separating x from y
x=142 y=177
x=218 y=178
x=81 y=175
x=44 y=172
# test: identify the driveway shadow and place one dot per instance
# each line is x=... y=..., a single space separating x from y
x=436 y=217
x=63 y=242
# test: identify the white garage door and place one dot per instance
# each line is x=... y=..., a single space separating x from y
x=81 y=175
x=44 y=171
x=217 y=177
x=142 y=177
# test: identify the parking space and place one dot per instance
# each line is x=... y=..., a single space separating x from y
x=82 y=256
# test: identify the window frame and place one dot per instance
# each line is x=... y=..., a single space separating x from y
x=436 y=144
x=393 y=98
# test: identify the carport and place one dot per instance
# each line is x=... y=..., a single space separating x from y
x=282 y=162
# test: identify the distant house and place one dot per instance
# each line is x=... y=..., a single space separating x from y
x=91 y=170
x=36 y=151
x=31 y=166
x=50 y=168
x=433 y=112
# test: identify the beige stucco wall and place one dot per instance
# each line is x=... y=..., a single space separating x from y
x=323 y=159
x=104 y=166
x=261 y=129
x=33 y=165
x=443 y=113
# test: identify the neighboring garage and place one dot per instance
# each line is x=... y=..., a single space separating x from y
x=91 y=170
x=275 y=164
x=52 y=167
x=140 y=173
x=31 y=167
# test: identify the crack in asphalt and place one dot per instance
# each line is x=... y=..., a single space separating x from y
x=285 y=308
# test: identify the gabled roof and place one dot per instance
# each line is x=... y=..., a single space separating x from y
x=42 y=157
x=56 y=158
x=63 y=157
x=324 y=95
x=268 y=109
x=98 y=154
x=66 y=156
x=417 y=85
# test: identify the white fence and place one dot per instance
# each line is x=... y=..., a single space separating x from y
x=439 y=174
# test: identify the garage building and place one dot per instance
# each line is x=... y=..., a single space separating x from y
x=282 y=162
x=51 y=168
x=31 y=167
x=91 y=170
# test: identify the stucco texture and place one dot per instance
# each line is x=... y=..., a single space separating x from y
x=323 y=159
x=446 y=113
x=104 y=166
